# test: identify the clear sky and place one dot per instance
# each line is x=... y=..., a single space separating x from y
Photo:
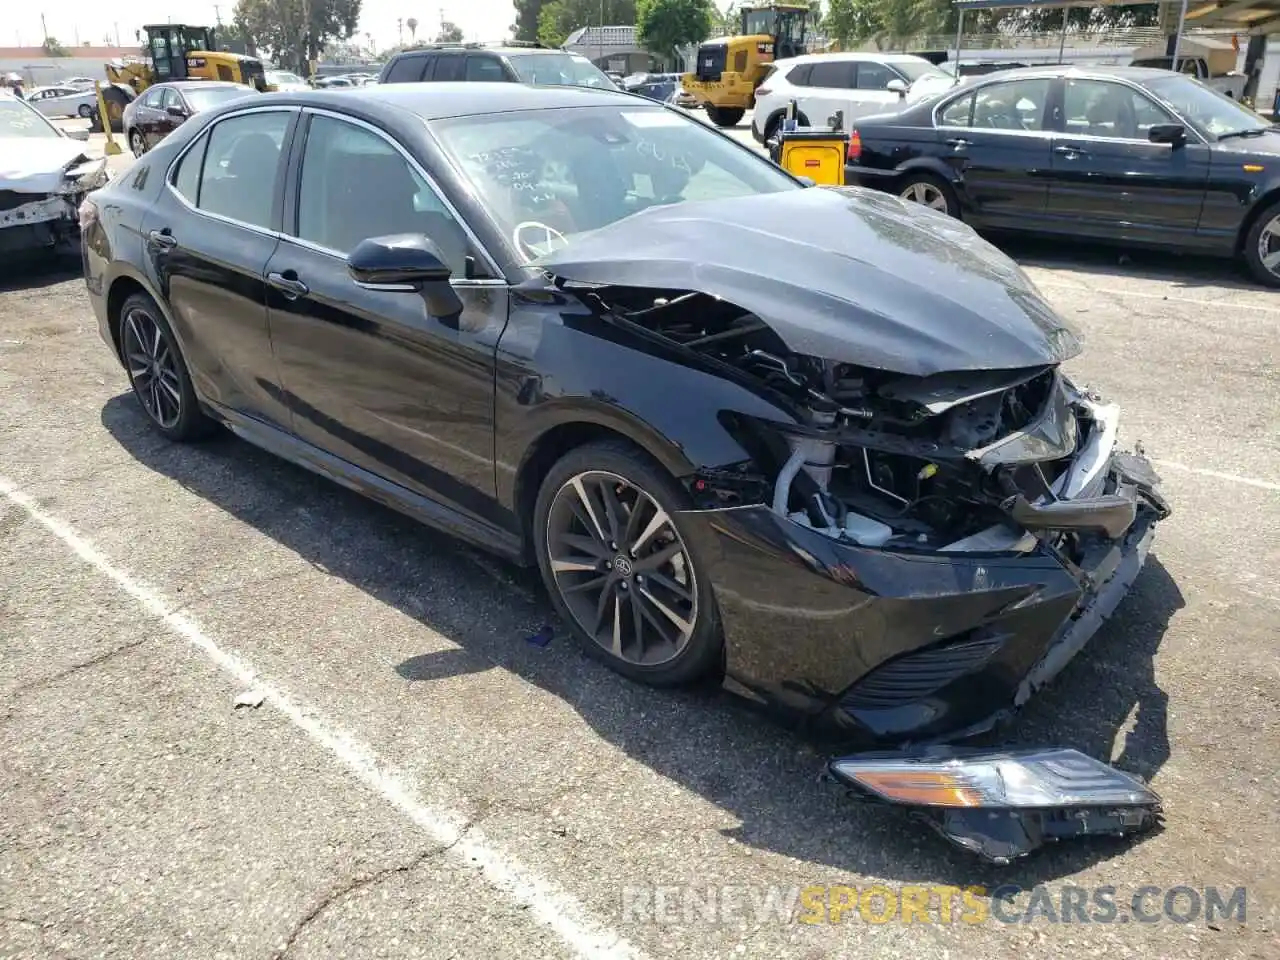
x=93 y=20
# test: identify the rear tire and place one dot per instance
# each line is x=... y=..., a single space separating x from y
x=725 y=116
x=136 y=143
x=623 y=569
x=1262 y=247
x=158 y=372
x=930 y=191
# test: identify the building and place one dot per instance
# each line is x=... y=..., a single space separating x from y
x=612 y=48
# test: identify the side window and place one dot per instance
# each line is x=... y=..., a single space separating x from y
x=186 y=179
x=740 y=62
x=449 y=66
x=957 y=113
x=799 y=76
x=239 y=175
x=484 y=68
x=874 y=76
x=171 y=99
x=152 y=98
x=406 y=70
x=356 y=185
x=1098 y=108
x=832 y=73
x=1013 y=105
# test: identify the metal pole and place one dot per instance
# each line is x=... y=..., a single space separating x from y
x=1062 y=41
x=1177 y=40
x=600 y=39
x=959 y=33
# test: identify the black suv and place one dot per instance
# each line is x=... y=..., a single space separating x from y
x=511 y=64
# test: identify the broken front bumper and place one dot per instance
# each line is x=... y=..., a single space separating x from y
x=875 y=647
x=43 y=221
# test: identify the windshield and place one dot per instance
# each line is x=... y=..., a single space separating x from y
x=1206 y=109
x=548 y=177
x=914 y=70
x=559 y=70
x=19 y=120
x=283 y=76
x=211 y=97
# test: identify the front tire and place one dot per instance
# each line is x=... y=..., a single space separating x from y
x=1262 y=247
x=158 y=373
x=930 y=191
x=136 y=143
x=623 y=568
x=725 y=116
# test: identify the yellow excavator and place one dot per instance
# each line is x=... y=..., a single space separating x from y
x=729 y=69
x=176 y=51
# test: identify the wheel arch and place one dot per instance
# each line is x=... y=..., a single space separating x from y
x=123 y=285
x=1269 y=197
x=930 y=165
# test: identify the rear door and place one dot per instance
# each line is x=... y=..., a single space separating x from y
x=997 y=140
x=208 y=239
x=1109 y=180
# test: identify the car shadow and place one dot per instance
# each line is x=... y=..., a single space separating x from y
x=33 y=271
x=1181 y=270
x=709 y=742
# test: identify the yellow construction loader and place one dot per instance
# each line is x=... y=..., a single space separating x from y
x=729 y=69
x=175 y=51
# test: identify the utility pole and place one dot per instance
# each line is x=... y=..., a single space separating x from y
x=117 y=26
x=600 y=42
x=400 y=31
x=217 y=14
x=44 y=29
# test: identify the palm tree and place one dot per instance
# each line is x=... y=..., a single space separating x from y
x=412 y=24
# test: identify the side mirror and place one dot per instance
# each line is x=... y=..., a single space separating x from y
x=408 y=263
x=897 y=86
x=176 y=111
x=1171 y=133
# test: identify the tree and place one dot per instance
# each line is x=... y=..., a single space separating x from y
x=662 y=26
x=412 y=24
x=725 y=21
x=528 y=19
x=294 y=38
x=559 y=18
x=52 y=48
x=449 y=32
x=848 y=21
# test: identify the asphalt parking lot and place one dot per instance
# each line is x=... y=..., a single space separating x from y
x=421 y=781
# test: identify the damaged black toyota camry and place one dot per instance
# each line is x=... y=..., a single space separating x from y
x=817 y=443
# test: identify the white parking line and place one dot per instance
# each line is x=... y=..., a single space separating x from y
x=1234 y=478
x=544 y=899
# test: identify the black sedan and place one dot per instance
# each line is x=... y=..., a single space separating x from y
x=814 y=442
x=166 y=106
x=1127 y=155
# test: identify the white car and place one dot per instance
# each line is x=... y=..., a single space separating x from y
x=44 y=175
x=64 y=101
x=859 y=84
x=283 y=80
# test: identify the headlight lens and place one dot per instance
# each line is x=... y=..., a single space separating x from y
x=1051 y=778
x=85 y=176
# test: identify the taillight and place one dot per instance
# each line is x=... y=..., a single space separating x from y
x=855 y=146
x=88 y=212
x=763 y=92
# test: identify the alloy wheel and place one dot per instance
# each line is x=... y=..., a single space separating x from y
x=136 y=144
x=622 y=568
x=153 y=368
x=927 y=194
x=1269 y=247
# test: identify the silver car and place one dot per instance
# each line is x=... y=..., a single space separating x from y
x=63 y=101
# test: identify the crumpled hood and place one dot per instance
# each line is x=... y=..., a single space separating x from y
x=846 y=274
x=36 y=164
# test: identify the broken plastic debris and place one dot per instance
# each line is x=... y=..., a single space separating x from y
x=250 y=698
x=542 y=638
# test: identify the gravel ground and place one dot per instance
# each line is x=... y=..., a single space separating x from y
x=420 y=781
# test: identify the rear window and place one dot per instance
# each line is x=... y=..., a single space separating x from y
x=406 y=70
x=449 y=66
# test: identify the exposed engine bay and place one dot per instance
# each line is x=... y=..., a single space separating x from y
x=968 y=460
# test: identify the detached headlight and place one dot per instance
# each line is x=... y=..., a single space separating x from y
x=85 y=176
x=1003 y=805
x=1036 y=779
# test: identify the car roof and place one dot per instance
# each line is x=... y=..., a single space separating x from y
x=435 y=101
x=854 y=55
x=1134 y=74
x=198 y=84
x=467 y=48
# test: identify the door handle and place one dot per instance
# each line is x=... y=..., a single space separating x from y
x=288 y=284
x=162 y=238
x=1071 y=151
x=959 y=143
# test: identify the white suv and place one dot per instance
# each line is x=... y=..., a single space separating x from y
x=860 y=84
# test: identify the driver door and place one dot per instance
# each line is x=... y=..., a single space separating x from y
x=369 y=375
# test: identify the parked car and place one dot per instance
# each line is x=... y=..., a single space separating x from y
x=857 y=84
x=166 y=106
x=44 y=174
x=77 y=82
x=473 y=61
x=1211 y=61
x=834 y=462
x=64 y=101
x=284 y=80
x=1121 y=154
